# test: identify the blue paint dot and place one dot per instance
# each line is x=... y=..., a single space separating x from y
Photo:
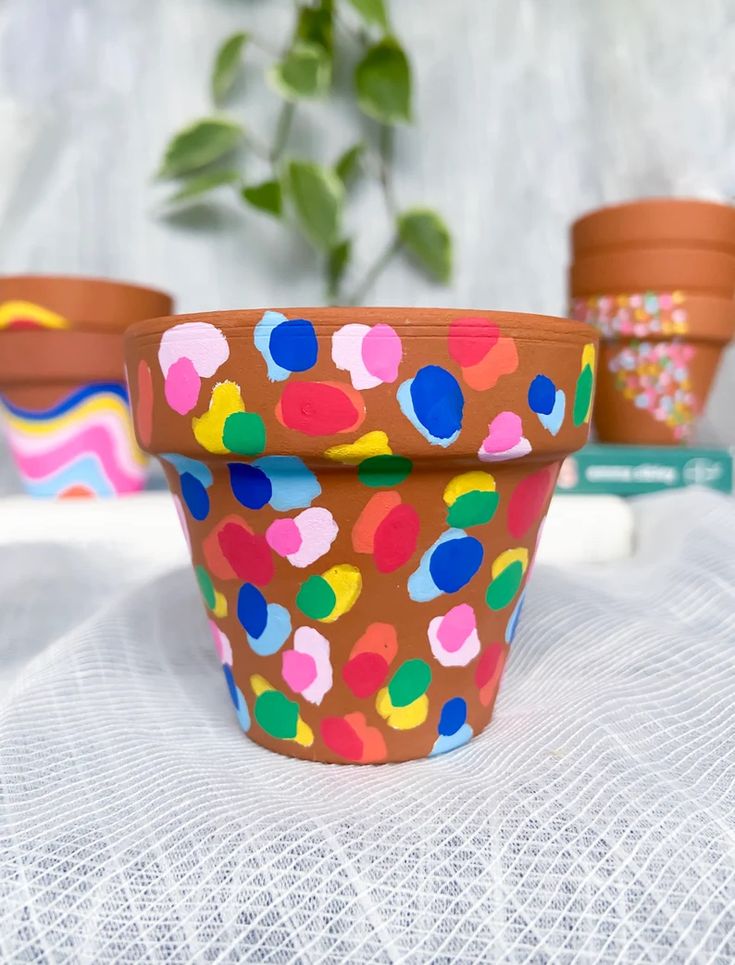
x=454 y=563
x=437 y=401
x=195 y=496
x=293 y=345
x=250 y=485
x=453 y=716
x=252 y=610
x=510 y=630
x=542 y=395
x=227 y=670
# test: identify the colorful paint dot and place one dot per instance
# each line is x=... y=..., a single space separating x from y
x=388 y=530
x=188 y=353
x=277 y=715
x=371 y=355
x=209 y=428
x=528 y=500
x=482 y=353
x=487 y=672
x=320 y=408
x=453 y=716
x=304 y=539
x=453 y=637
x=351 y=738
x=471 y=499
x=287 y=345
x=252 y=610
x=195 y=496
x=508 y=571
x=244 y=434
x=367 y=667
x=371 y=444
x=250 y=485
x=447 y=566
x=206 y=586
x=585 y=383
x=433 y=403
x=505 y=439
x=307 y=669
x=382 y=472
x=409 y=682
x=316 y=598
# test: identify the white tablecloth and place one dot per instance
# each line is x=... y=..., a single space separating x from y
x=593 y=822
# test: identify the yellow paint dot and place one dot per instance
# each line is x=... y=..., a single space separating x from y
x=259 y=684
x=520 y=555
x=468 y=482
x=304 y=734
x=588 y=356
x=220 y=604
x=208 y=428
x=371 y=444
x=346 y=582
x=402 y=718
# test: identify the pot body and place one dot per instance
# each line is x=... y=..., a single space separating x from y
x=63 y=398
x=362 y=490
x=659 y=354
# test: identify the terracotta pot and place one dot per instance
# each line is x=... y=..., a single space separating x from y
x=656 y=223
x=362 y=491
x=63 y=398
x=693 y=270
x=658 y=357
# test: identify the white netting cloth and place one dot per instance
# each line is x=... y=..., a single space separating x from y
x=594 y=821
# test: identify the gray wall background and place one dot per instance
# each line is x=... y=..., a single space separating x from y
x=529 y=112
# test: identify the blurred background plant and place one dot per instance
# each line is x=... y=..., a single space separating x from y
x=337 y=48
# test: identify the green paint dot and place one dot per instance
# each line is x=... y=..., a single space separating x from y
x=409 y=682
x=277 y=715
x=316 y=598
x=206 y=586
x=472 y=509
x=582 y=395
x=381 y=472
x=505 y=586
x=244 y=433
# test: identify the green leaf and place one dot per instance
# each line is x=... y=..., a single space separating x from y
x=199 y=144
x=226 y=65
x=337 y=261
x=427 y=239
x=306 y=71
x=383 y=82
x=318 y=196
x=265 y=197
x=348 y=163
x=316 y=25
x=372 y=12
x=201 y=184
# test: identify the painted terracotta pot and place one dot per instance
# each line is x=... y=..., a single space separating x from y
x=362 y=491
x=656 y=223
x=63 y=398
x=695 y=270
x=659 y=353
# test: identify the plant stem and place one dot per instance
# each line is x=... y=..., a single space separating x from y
x=386 y=162
x=257 y=146
x=374 y=272
x=283 y=129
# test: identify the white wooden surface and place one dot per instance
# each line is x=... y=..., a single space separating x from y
x=529 y=112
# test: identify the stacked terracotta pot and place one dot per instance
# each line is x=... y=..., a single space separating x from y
x=657 y=278
x=63 y=398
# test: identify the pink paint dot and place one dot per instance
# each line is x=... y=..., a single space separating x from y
x=505 y=432
x=182 y=386
x=381 y=353
x=456 y=626
x=283 y=537
x=298 y=669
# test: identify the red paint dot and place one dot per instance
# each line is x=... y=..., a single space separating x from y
x=488 y=665
x=341 y=738
x=365 y=674
x=395 y=538
x=247 y=553
x=527 y=502
x=470 y=339
x=320 y=408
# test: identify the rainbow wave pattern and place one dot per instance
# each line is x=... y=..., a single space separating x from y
x=81 y=446
x=27 y=315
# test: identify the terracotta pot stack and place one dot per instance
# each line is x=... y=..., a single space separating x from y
x=63 y=399
x=657 y=278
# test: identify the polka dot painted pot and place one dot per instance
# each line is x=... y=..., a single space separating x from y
x=659 y=354
x=362 y=490
x=63 y=397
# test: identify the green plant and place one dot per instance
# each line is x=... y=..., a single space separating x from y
x=304 y=192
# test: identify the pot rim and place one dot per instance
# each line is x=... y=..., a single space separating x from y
x=34 y=357
x=422 y=322
x=87 y=302
x=702 y=222
x=710 y=318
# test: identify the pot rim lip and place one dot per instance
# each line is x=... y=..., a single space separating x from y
x=33 y=357
x=422 y=322
x=99 y=281
x=657 y=201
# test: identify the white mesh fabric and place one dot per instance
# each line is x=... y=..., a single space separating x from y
x=593 y=822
